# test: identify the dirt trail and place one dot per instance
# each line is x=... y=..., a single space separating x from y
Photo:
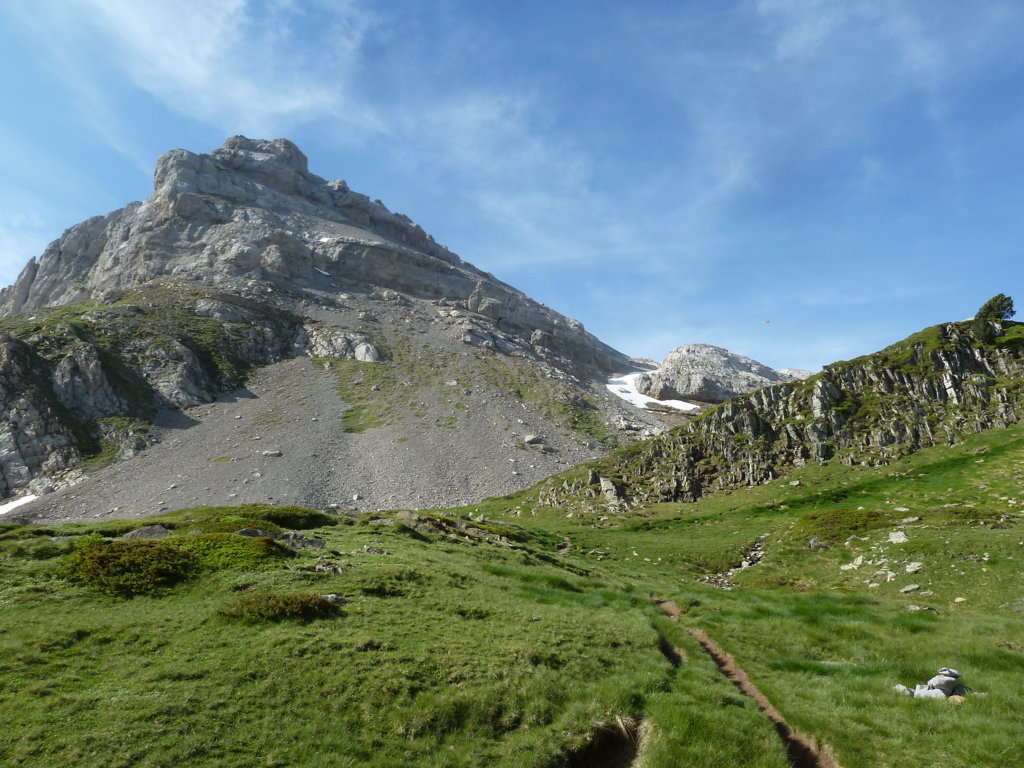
x=803 y=751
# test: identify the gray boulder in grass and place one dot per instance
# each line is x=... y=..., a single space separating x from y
x=946 y=683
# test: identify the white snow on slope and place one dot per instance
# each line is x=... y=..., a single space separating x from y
x=10 y=506
x=625 y=387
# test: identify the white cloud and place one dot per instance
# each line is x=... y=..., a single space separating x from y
x=231 y=63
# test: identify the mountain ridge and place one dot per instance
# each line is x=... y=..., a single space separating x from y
x=249 y=217
x=709 y=374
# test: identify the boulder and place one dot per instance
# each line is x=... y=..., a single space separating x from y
x=257 y=533
x=148 y=532
x=41 y=486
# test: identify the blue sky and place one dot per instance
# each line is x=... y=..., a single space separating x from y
x=799 y=181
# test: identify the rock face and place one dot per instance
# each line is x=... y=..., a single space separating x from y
x=709 y=374
x=250 y=218
x=922 y=392
x=34 y=439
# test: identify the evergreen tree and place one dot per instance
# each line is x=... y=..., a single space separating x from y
x=996 y=309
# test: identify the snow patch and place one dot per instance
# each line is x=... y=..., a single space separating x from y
x=625 y=387
x=10 y=506
x=322 y=272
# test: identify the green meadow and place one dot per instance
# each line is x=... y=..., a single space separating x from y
x=501 y=635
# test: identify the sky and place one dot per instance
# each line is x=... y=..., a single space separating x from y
x=799 y=181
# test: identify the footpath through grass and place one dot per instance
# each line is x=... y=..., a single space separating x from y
x=823 y=625
x=450 y=650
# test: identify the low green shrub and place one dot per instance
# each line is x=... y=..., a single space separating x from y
x=229 y=524
x=33 y=549
x=222 y=551
x=129 y=568
x=392 y=582
x=291 y=606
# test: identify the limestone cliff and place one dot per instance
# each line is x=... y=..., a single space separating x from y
x=241 y=258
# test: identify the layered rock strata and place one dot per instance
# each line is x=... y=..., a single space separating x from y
x=240 y=258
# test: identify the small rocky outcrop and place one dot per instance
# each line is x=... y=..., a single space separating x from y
x=342 y=345
x=709 y=374
x=35 y=439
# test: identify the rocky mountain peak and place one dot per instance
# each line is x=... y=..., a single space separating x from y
x=263 y=151
x=276 y=164
x=250 y=218
x=711 y=374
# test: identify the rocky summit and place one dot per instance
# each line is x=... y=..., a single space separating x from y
x=710 y=374
x=251 y=219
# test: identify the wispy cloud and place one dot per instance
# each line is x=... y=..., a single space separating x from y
x=236 y=62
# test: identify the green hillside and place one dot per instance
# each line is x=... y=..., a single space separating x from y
x=532 y=641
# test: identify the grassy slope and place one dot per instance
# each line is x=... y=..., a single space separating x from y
x=461 y=652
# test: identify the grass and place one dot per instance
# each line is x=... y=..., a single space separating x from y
x=556 y=399
x=475 y=642
x=446 y=667
x=380 y=393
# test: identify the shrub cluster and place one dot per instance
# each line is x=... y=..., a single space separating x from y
x=294 y=606
x=129 y=568
x=228 y=524
x=211 y=519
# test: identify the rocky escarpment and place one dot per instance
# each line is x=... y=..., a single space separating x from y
x=250 y=218
x=34 y=437
x=709 y=374
x=86 y=382
x=926 y=391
